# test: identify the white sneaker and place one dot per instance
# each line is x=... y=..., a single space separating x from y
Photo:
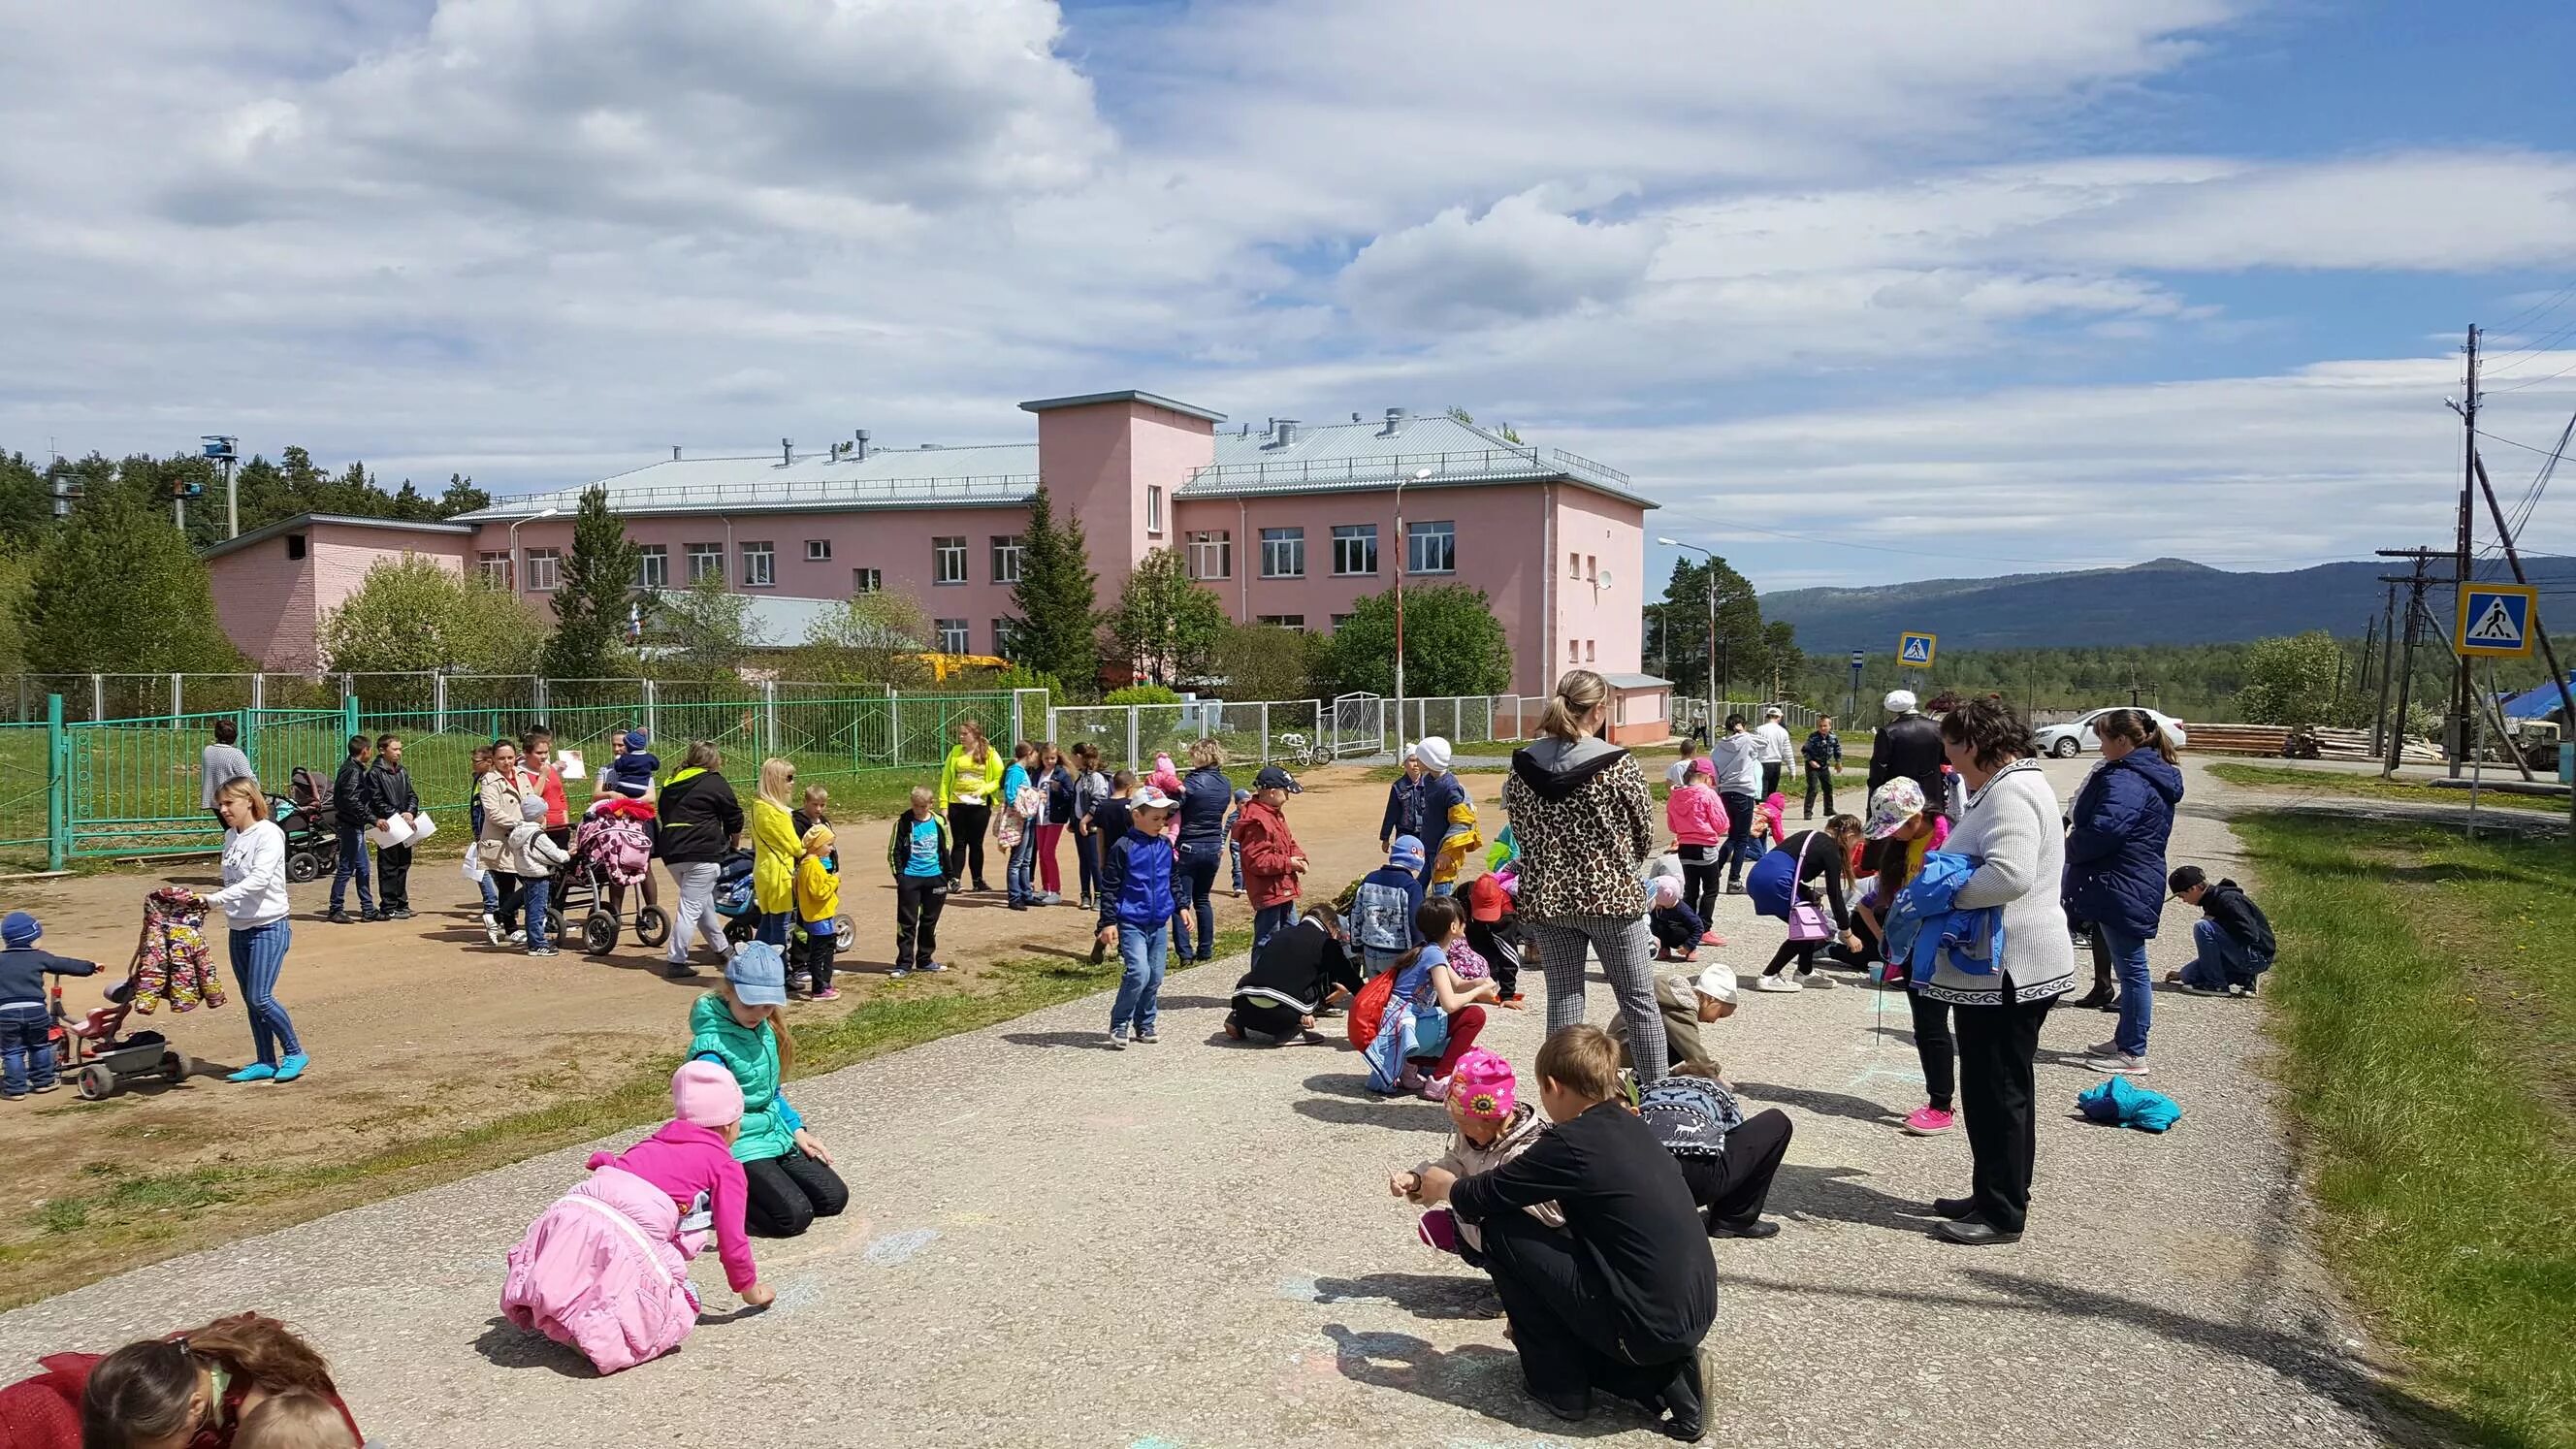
x=492 y=930
x=2117 y=1063
x=1117 y=1041
x=1776 y=983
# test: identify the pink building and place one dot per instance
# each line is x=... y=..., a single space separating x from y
x=272 y=584
x=1289 y=524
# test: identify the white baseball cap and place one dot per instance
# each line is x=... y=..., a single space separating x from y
x=1899 y=701
x=1149 y=798
x=1717 y=983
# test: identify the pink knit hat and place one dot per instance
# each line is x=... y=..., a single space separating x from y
x=1482 y=1086
x=706 y=1094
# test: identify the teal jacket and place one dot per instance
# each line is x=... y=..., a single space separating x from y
x=769 y=1124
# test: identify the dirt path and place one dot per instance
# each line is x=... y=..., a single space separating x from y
x=418 y=1030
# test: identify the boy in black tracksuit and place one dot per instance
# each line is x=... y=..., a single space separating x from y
x=1292 y=977
x=388 y=794
x=349 y=822
x=2234 y=937
x=1622 y=1298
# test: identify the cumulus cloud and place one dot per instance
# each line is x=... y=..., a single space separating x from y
x=1519 y=260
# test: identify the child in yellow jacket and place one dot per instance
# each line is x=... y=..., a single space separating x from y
x=818 y=905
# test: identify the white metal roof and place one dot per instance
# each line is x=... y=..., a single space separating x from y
x=1334 y=457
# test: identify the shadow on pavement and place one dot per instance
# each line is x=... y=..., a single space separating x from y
x=504 y=1344
x=1471 y=1376
x=1424 y=1295
x=1398 y=1114
x=1838 y=1194
x=1095 y=1040
x=1822 y=1104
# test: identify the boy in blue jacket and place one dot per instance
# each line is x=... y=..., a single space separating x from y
x=1139 y=914
x=26 y=1030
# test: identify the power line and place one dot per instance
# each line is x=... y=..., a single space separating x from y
x=2544 y=306
x=2537 y=381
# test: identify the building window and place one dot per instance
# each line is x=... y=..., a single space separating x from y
x=1283 y=553
x=1286 y=621
x=1589 y=654
x=818 y=550
x=1340 y=619
x=1154 y=508
x=759 y=565
x=1005 y=645
x=1211 y=554
x=952 y=636
x=1354 y=548
x=295 y=545
x=706 y=561
x=653 y=567
x=495 y=567
x=1592 y=568
x=545 y=569
x=866 y=581
x=1573 y=651
x=948 y=559
x=1574 y=566
x=1006 y=558
x=1431 y=548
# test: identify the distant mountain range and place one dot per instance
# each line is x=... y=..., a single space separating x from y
x=2161 y=601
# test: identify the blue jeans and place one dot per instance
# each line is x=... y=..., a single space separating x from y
x=2222 y=962
x=773 y=929
x=2137 y=991
x=26 y=1052
x=1269 y=921
x=1198 y=860
x=1143 y=951
x=539 y=888
x=353 y=861
x=259 y=953
x=1738 y=850
x=1440 y=888
x=1017 y=880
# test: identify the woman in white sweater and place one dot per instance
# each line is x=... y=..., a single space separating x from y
x=2011 y=830
x=253 y=901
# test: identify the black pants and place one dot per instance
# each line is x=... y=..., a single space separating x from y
x=788 y=1193
x=511 y=892
x=1802 y=952
x=1995 y=1086
x=393 y=877
x=1671 y=931
x=1086 y=860
x=1699 y=881
x=819 y=951
x=918 y=901
x=1269 y=1018
x=1563 y=1321
x=1940 y=1054
x=1733 y=1185
x=1819 y=777
x=966 y=827
x=1738 y=848
x=1771 y=779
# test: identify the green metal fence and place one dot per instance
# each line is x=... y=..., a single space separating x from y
x=135 y=787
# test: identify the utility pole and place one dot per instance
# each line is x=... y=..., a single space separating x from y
x=2387 y=671
x=2416 y=583
x=2455 y=738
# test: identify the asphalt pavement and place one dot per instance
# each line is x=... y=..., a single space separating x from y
x=1190 y=1244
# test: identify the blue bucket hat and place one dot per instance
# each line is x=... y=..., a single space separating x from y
x=20 y=929
x=758 y=974
x=1406 y=852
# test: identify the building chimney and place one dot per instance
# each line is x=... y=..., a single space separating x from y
x=675 y=452
x=861 y=451
x=786 y=451
x=1395 y=420
x=1283 y=432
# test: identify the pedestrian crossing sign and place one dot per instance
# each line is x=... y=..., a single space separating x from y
x=2496 y=620
x=1914 y=651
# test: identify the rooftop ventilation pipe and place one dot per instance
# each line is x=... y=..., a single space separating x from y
x=786 y=452
x=675 y=452
x=1283 y=431
x=861 y=450
x=1395 y=420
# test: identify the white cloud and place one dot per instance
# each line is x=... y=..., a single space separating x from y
x=1520 y=260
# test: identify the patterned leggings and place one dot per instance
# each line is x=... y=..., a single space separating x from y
x=1627 y=953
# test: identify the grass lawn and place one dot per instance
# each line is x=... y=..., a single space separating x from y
x=2426 y=1005
x=2334 y=782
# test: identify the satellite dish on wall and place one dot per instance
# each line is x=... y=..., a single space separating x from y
x=1604 y=581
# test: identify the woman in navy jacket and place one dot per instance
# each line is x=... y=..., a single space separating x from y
x=2115 y=866
x=1206 y=794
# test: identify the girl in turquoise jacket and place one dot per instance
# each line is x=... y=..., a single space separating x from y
x=787 y=1170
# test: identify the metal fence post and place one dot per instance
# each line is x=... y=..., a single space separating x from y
x=769 y=714
x=259 y=691
x=438 y=701
x=1265 y=732
x=537 y=696
x=652 y=709
x=58 y=793
x=1131 y=737
x=177 y=705
x=348 y=716
x=98 y=696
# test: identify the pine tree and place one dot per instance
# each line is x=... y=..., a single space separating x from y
x=1167 y=623
x=461 y=497
x=597 y=581
x=1055 y=627
x=121 y=592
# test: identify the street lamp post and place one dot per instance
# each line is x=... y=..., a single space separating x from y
x=1402 y=544
x=515 y=576
x=1712 y=626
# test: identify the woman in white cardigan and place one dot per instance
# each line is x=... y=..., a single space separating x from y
x=253 y=901
x=2011 y=829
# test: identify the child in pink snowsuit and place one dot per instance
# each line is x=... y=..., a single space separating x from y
x=606 y=1269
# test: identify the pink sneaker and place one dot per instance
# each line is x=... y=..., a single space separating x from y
x=828 y=993
x=1435 y=1089
x=1928 y=1122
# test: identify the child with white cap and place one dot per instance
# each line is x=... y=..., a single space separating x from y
x=1686 y=1002
x=1140 y=914
x=1448 y=817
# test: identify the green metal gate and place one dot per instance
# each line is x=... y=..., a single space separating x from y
x=136 y=787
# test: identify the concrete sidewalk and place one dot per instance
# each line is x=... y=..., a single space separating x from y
x=1190 y=1245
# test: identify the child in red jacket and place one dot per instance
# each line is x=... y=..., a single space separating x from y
x=1272 y=859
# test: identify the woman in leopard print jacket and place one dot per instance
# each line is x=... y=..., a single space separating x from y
x=1585 y=824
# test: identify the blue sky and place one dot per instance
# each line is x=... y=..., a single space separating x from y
x=1959 y=289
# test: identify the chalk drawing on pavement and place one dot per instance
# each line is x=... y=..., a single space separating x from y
x=896 y=1248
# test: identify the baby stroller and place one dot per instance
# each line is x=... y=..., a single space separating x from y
x=304 y=813
x=610 y=851
x=742 y=916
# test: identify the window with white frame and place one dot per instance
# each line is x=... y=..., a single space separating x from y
x=760 y=564
x=1286 y=621
x=866 y=581
x=706 y=561
x=1431 y=548
x=952 y=636
x=1340 y=619
x=948 y=562
x=653 y=567
x=1354 y=548
x=1210 y=554
x=545 y=569
x=818 y=550
x=1006 y=557
x=1283 y=553
x=1005 y=638
x=495 y=567
x=1154 y=508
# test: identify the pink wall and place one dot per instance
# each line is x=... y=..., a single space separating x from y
x=1602 y=622
x=1098 y=460
x=272 y=605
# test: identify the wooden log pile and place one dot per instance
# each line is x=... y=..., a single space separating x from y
x=2272 y=740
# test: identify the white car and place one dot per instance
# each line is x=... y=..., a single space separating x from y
x=2076 y=737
